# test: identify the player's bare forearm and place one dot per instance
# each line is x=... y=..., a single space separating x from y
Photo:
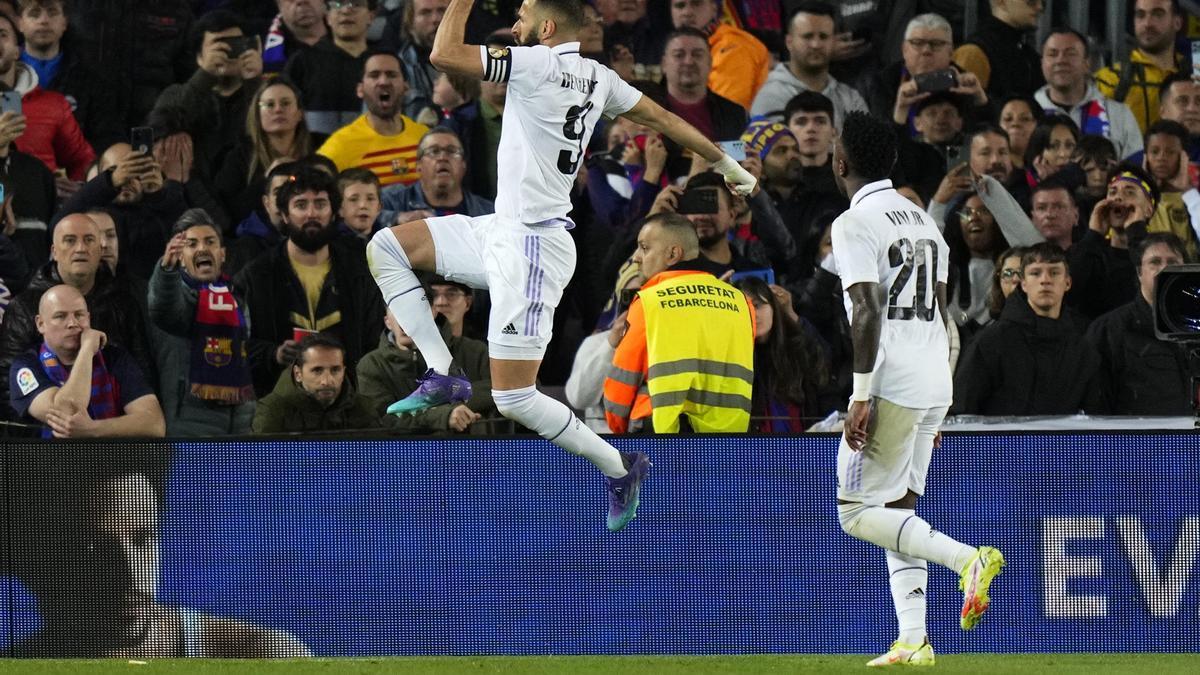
x=667 y=123
x=450 y=53
x=865 y=328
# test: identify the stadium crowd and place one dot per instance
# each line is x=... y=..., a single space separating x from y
x=189 y=187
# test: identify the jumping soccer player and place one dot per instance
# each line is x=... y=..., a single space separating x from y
x=523 y=254
x=888 y=251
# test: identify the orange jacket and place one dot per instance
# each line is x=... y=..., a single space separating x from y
x=739 y=64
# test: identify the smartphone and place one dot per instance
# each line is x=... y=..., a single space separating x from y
x=1196 y=59
x=10 y=101
x=697 y=200
x=766 y=274
x=142 y=139
x=735 y=149
x=954 y=154
x=239 y=44
x=936 y=80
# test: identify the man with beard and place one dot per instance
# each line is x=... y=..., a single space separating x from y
x=327 y=73
x=316 y=395
x=523 y=253
x=1136 y=81
x=381 y=139
x=713 y=227
x=77 y=385
x=95 y=574
x=75 y=261
x=203 y=370
x=315 y=281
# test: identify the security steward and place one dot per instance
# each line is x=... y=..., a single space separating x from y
x=688 y=350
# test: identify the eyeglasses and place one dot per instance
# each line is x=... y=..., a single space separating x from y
x=1010 y=274
x=282 y=104
x=441 y=151
x=449 y=294
x=335 y=5
x=920 y=44
x=968 y=214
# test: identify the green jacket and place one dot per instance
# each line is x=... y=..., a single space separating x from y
x=388 y=374
x=289 y=409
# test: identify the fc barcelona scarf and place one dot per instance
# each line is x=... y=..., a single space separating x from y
x=273 y=55
x=106 y=393
x=219 y=370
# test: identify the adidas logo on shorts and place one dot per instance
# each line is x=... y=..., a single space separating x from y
x=509 y=330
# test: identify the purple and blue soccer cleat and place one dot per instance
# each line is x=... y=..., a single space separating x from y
x=433 y=388
x=623 y=491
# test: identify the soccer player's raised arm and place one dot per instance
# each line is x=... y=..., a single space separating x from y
x=667 y=123
x=450 y=53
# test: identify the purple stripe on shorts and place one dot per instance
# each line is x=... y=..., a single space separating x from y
x=531 y=314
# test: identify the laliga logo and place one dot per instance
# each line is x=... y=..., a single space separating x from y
x=1161 y=583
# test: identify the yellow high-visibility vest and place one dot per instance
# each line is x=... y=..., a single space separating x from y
x=700 y=353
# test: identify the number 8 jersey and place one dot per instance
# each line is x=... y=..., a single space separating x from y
x=555 y=98
x=884 y=238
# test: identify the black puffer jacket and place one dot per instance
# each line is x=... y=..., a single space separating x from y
x=272 y=293
x=115 y=310
x=1024 y=364
x=1142 y=374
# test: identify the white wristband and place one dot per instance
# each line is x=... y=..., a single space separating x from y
x=862 y=387
x=740 y=180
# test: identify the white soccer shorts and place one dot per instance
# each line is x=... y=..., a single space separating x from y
x=895 y=458
x=523 y=267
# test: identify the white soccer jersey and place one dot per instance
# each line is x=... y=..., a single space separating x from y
x=884 y=238
x=555 y=97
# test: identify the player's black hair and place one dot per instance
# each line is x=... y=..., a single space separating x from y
x=1169 y=127
x=1165 y=238
x=808 y=101
x=322 y=340
x=307 y=179
x=568 y=12
x=1044 y=252
x=684 y=31
x=1142 y=175
x=869 y=144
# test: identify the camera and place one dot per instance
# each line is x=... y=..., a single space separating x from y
x=937 y=80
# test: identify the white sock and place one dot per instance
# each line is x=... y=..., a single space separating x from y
x=908 y=578
x=556 y=423
x=405 y=298
x=903 y=531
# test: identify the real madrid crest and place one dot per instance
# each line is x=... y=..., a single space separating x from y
x=498 y=52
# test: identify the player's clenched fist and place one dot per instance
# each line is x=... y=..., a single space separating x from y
x=739 y=180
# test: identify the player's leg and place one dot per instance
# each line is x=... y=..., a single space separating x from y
x=392 y=256
x=524 y=297
x=872 y=479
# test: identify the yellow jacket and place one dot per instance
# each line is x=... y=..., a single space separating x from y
x=1144 y=80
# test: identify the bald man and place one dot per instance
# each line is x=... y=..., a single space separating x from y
x=76 y=253
x=77 y=385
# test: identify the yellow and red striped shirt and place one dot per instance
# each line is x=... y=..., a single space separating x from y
x=392 y=158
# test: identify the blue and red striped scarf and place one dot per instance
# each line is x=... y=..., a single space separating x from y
x=219 y=370
x=105 y=401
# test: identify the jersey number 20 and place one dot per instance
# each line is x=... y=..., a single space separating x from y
x=573 y=129
x=905 y=255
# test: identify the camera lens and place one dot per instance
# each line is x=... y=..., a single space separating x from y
x=1181 y=304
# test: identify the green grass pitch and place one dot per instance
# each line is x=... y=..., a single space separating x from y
x=1083 y=664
